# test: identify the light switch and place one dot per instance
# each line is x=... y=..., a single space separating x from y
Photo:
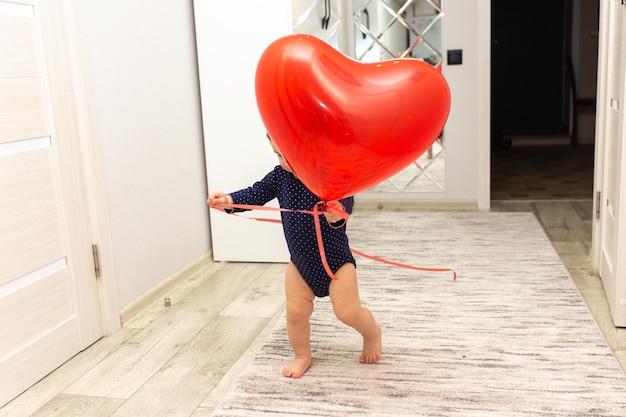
x=455 y=56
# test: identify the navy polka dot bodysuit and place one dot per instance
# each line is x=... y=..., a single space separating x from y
x=299 y=228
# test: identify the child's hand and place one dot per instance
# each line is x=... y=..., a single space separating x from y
x=332 y=217
x=219 y=199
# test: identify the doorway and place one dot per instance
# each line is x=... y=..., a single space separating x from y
x=533 y=156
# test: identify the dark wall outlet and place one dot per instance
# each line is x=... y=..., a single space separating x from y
x=455 y=56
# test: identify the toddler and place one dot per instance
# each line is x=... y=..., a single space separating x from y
x=305 y=276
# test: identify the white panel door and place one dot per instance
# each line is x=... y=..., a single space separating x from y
x=230 y=38
x=611 y=160
x=48 y=296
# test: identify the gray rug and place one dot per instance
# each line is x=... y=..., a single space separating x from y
x=511 y=337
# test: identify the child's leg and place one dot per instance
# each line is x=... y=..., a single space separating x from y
x=299 y=309
x=344 y=294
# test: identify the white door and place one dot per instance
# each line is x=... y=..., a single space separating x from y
x=230 y=38
x=610 y=205
x=48 y=298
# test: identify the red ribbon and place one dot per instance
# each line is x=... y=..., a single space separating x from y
x=320 y=208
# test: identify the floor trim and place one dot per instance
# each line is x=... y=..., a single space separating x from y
x=413 y=205
x=142 y=302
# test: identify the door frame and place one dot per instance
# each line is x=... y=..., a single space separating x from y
x=89 y=140
x=83 y=167
x=483 y=142
x=603 y=107
x=600 y=133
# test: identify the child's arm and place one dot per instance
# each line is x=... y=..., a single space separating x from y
x=257 y=195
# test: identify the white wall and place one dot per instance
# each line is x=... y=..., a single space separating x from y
x=467 y=129
x=147 y=130
x=145 y=88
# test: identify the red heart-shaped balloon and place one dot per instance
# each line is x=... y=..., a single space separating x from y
x=344 y=126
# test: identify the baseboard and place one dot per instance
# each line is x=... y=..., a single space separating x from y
x=414 y=205
x=159 y=291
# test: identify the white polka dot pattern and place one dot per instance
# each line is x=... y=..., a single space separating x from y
x=299 y=228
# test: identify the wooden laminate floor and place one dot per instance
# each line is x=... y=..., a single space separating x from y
x=217 y=319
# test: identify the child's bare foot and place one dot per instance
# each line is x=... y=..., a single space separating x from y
x=297 y=367
x=372 y=348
